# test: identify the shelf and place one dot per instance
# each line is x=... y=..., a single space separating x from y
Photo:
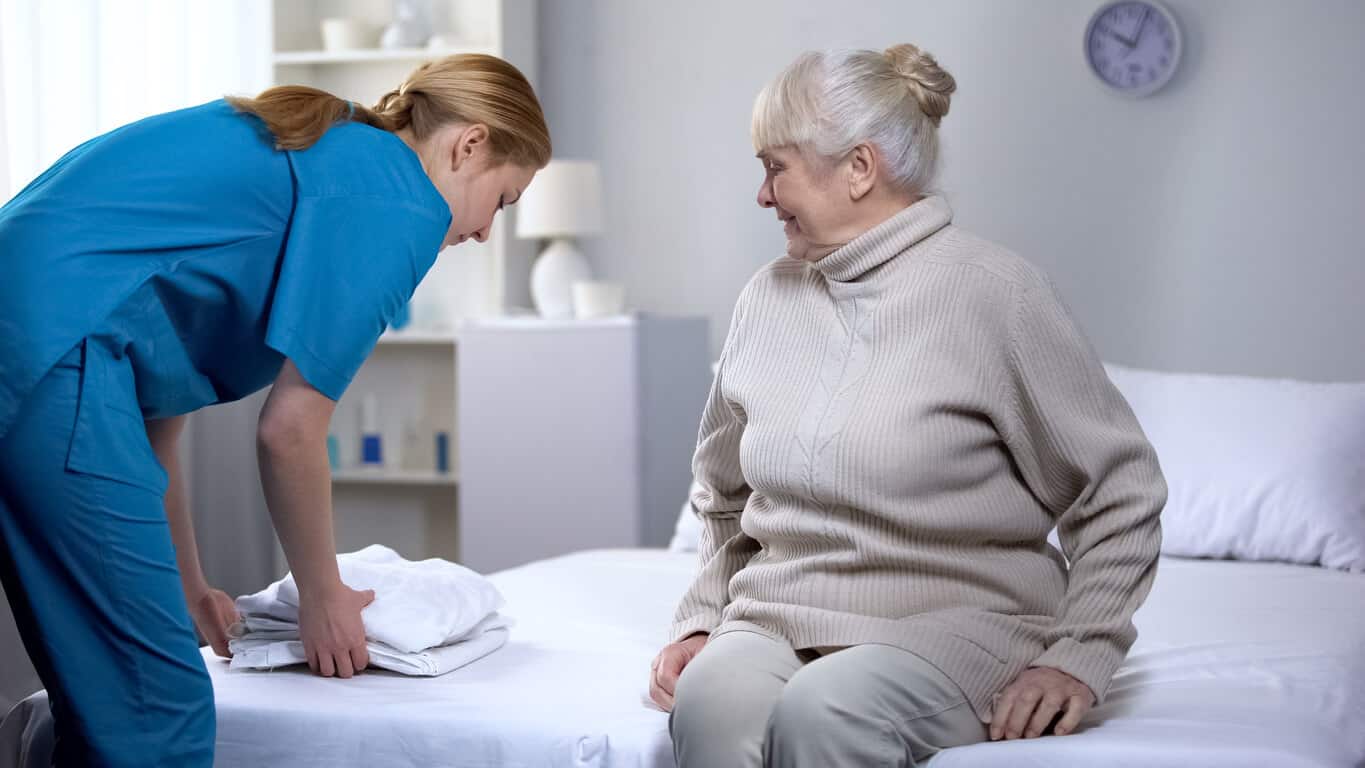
x=384 y=476
x=418 y=337
x=537 y=323
x=369 y=55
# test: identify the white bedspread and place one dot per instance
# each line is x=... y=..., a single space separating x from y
x=1237 y=664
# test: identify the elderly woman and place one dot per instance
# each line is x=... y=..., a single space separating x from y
x=901 y=414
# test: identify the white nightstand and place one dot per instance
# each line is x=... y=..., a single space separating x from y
x=575 y=434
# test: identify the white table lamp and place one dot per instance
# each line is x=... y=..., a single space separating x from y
x=564 y=201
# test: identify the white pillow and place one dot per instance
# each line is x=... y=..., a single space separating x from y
x=687 y=532
x=1258 y=469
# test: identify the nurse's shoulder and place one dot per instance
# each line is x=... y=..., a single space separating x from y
x=353 y=159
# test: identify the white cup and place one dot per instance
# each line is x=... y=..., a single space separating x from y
x=442 y=43
x=346 y=35
x=598 y=298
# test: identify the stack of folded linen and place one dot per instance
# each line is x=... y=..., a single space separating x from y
x=427 y=618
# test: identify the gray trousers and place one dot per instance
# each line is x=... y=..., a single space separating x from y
x=749 y=700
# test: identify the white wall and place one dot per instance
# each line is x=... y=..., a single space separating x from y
x=1216 y=226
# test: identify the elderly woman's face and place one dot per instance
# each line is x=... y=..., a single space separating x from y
x=809 y=199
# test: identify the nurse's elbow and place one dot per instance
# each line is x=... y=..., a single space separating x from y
x=280 y=435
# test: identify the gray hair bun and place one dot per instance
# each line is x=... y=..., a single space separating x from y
x=930 y=84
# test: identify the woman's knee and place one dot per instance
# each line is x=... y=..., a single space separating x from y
x=809 y=705
x=726 y=693
x=703 y=689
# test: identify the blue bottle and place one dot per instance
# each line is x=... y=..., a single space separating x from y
x=371 y=444
x=442 y=452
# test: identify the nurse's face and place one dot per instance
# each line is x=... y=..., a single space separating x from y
x=475 y=185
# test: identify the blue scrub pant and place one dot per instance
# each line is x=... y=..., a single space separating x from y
x=89 y=568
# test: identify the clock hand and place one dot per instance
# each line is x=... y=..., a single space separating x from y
x=1129 y=43
x=1142 y=25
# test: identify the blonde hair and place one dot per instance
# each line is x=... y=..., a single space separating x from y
x=829 y=102
x=465 y=88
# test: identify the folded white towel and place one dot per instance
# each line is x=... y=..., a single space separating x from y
x=427 y=618
x=265 y=653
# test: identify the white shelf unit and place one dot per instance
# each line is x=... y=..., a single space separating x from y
x=407 y=504
x=408 y=337
x=362 y=476
x=368 y=56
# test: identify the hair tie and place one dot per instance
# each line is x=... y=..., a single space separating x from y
x=351 y=110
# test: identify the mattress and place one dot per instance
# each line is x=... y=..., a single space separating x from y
x=565 y=690
x=1237 y=664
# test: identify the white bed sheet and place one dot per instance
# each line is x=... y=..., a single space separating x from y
x=1237 y=664
x=564 y=691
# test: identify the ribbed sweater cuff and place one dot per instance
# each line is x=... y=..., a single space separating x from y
x=705 y=622
x=1092 y=663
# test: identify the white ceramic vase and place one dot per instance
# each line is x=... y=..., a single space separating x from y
x=560 y=266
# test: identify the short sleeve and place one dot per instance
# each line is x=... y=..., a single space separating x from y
x=349 y=264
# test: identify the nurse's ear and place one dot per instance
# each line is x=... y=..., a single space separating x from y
x=471 y=141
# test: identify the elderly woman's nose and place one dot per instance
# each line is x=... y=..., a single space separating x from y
x=765 y=194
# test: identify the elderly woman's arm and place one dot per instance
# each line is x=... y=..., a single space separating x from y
x=719 y=501
x=1081 y=451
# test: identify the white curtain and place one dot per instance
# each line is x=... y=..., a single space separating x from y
x=72 y=69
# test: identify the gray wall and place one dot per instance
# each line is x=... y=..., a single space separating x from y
x=17 y=678
x=1216 y=226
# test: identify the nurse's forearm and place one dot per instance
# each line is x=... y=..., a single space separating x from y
x=164 y=435
x=291 y=444
x=298 y=490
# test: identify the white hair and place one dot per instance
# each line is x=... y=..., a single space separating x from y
x=828 y=102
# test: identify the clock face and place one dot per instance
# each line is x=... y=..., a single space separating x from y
x=1133 y=46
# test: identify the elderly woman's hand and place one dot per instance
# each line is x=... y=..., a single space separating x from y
x=1028 y=705
x=668 y=667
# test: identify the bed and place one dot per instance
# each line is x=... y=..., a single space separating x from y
x=1250 y=652
x=1236 y=664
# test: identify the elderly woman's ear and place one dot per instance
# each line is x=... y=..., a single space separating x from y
x=864 y=166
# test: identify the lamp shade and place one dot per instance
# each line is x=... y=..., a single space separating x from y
x=564 y=200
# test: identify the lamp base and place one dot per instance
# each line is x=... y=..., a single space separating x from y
x=559 y=266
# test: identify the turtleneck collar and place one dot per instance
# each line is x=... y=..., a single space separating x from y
x=883 y=242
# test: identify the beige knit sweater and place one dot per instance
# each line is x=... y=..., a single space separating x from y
x=892 y=433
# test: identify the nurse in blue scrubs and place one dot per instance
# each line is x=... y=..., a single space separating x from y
x=190 y=259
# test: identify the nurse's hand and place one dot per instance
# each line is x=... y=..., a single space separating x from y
x=332 y=632
x=668 y=667
x=213 y=612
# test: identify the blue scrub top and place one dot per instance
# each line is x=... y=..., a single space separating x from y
x=207 y=256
